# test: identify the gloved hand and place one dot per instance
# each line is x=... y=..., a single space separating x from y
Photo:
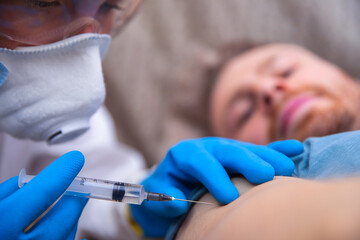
x=208 y=161
x=20 y=207
x=3 y=73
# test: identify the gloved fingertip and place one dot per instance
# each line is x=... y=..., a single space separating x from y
x=263 y=174
x=287 y=169
x=228 y=194
x=4 y=72
x=289 y=147
x=297 y=146
x=60 y=173
x=76 y=156
x=73 y=162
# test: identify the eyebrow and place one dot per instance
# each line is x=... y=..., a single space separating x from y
x=266 y=63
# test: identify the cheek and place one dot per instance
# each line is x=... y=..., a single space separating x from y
x=218 y=110
x=256 y=130
x=321 y=78
x=5 y=43
x=216 y=113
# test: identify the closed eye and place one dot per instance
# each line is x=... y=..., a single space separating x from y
x=287 y=73
x=248 y=113
x=242 y=110
x=111 y=6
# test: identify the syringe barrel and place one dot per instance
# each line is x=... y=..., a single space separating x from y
x=99 y=189
x=107 y=190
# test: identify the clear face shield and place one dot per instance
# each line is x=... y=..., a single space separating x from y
x=38 y=22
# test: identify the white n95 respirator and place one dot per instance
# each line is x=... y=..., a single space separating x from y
x=52 y=90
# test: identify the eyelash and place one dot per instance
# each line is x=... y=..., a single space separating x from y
x=249 y=112
x=287 y=73
x=43 y=4
x=108 y=5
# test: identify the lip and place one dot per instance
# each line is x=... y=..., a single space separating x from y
x=292 y=111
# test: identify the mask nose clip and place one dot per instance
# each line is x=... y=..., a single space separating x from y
x=67 y=131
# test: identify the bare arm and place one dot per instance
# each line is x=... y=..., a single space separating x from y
x=286 y=208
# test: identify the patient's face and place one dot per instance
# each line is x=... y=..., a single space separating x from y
x=281 y=91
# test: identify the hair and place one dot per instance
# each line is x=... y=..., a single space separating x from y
x=195 y=82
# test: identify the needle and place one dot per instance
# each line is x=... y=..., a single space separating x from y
x=214 y=204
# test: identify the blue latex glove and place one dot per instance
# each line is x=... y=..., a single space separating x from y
x=20 y=207
x=3 y=74
x=208 y=161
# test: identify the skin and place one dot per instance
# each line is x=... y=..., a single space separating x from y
x=282 y=91
x=49 y=21
x=283 y=210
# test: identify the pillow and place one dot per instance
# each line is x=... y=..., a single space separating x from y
x=154 y=67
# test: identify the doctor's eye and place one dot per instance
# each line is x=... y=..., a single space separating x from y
x=109 y=5
x=43 y=4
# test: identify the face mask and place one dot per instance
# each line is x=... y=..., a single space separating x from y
x=51 y=91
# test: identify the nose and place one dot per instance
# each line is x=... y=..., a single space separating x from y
x=271 y=92
x=83 y=25
x=92 y=27
x=84 y=16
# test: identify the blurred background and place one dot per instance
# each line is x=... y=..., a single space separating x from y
x=154 y=68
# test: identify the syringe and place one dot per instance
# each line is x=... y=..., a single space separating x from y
x=105 y=190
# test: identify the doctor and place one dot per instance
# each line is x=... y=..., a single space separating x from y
x=51 y=96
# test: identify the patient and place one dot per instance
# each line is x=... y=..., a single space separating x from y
x=275 y=92
x=281 y=91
